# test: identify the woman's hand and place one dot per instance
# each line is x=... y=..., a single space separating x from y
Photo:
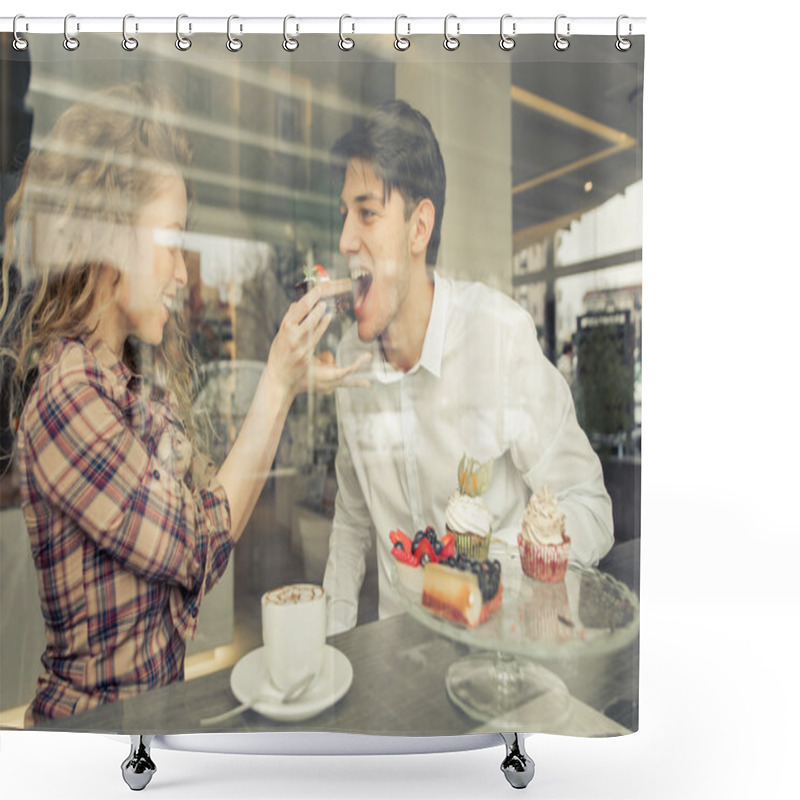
x=292 y=349
x=325 y=376
x=292 y=366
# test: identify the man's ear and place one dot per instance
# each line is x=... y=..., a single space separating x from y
x=422 y=220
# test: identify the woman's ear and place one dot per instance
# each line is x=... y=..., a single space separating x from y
x=422 y=220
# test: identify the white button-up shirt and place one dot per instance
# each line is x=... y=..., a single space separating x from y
x=483 y=387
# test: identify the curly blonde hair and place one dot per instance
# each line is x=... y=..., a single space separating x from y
x=104 y=159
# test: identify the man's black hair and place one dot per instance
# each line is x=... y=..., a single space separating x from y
x=397 y=141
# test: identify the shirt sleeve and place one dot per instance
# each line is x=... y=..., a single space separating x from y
x=549 y=447
x=350 y=541
x=87 y=461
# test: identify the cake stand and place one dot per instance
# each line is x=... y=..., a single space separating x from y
x=589 y=613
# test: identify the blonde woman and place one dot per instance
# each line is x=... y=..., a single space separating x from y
x=128 y=528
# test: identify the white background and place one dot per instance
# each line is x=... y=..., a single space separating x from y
x=719 y=697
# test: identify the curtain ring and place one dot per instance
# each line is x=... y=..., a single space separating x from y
x=70 y=42
x=290 y=44
x=129 y=43
x=401 y=42
x=451 y=42
x=345 y=42
x=560 y=42
x=182 y=42
x=19 y=42
x=507 y=42
x=233 y=44
x=622 y=44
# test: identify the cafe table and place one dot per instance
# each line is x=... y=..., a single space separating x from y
x=398 y=689
x=400 y=669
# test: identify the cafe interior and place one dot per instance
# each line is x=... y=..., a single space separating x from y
x=551 y=176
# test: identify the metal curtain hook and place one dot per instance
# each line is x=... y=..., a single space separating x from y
x=401 y=42
x=623 y=44
x=560 y=42
x=451 y=42
x=507 y=42
x=290 y=44
x=70 y=42
x=19 y=42
x=129 y=43
x=181 y=41
x=233 y=44
x=345 y=42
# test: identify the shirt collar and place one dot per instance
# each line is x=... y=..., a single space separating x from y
x=109 y=360
x=433 y=344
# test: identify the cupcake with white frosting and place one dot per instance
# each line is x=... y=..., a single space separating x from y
x=467 y=516
x=543 y=541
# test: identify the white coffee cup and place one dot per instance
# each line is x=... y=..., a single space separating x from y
x=293 y=627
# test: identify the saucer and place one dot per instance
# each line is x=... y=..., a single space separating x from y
x=334 y=679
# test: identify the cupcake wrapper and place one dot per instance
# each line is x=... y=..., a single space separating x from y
x=471 y=545
x=548 y=563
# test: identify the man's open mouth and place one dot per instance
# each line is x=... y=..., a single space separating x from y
x=362 y=280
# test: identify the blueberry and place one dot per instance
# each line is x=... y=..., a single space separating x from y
x=437 y=547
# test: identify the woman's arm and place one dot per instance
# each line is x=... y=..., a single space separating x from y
x=291 y=368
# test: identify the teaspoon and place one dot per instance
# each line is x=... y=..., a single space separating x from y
x=290 y=695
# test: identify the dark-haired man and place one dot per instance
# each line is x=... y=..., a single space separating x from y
x=456 y=369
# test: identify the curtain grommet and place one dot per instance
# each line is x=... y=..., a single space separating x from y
x=346 y=43
x=233 y=44
x=560 y=43
x=507 y=42
x=19 y=43
x=622 y=44
x=290 y=43
x=129 y=43
x=451 y=43
x=183 y=43
x=401 y=43
x=71 y=43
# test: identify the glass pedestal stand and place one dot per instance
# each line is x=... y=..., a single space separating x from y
x=503 y=682
x=492 y=686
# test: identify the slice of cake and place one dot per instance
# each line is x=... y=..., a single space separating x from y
x=338 y=302
x=462 y=591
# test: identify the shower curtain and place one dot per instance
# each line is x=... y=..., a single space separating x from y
x=522 y=273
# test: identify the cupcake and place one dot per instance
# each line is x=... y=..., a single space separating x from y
x=543 y=543
x=467 y=516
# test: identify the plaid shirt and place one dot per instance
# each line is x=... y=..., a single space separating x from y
x=124 y=550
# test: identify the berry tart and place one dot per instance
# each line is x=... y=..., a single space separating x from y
x=463 y=590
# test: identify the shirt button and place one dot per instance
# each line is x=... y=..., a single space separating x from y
x=194 y=612
x=156 y=474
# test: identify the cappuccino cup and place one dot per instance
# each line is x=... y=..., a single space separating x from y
x=293 y=627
